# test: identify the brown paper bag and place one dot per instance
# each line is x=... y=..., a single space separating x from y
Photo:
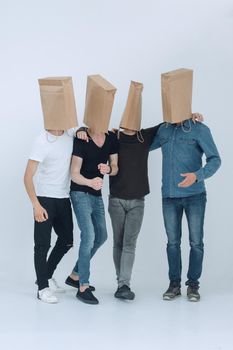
x=58 y=103
x=176 y=91
x=99 y=102
x=132 y=115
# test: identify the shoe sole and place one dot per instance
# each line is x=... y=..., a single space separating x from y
x=74 y=286
x=125 y=297
x=47 y=302
x=87 y=301
x=193 y=299
x=167 y=298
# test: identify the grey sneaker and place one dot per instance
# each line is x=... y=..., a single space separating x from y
x=172 y=293
x=193 y=294
x=124 y=292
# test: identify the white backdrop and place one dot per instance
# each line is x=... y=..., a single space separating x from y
x=122 y=40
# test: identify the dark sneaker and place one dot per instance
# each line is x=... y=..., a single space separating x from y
x=193 y=294
x=87 y=297
x=172 y=293
x=75 y=284
x=124 y=292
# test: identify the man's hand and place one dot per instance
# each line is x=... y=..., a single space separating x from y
x=40 y=214
x=82 y=135
x=190 y=178
x=96 y=183
x=197 y=117
x=104 y=168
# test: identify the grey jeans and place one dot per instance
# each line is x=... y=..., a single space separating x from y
x=126 y=217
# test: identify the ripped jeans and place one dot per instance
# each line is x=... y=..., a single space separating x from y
x=60 y=219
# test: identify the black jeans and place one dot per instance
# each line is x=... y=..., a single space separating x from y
x=60 y=219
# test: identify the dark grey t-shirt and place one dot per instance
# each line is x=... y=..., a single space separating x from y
x=132 y=182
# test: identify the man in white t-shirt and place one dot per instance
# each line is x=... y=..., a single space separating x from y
x=50 y=161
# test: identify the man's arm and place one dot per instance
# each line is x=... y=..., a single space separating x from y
x=81 y=134
x=113 y=160
x=155 y=143
x=213 y=160
x=150 y=133
x=79 y=179
x=110 y=169
x=40 y=213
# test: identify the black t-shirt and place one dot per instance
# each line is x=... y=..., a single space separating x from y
x=92 y=156
x=132 y=182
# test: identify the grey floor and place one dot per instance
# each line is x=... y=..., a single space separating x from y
x=148 y=322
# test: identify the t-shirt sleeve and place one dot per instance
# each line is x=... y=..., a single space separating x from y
x=39 y=150
x=78 y=148
x=114 y=143
x=150 y=133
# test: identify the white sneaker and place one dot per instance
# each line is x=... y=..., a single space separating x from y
x=47 y=296
x=55 y=288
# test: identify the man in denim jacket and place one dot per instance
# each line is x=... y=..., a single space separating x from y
x=183 y=190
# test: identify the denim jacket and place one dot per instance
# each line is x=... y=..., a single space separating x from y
x=183 y=146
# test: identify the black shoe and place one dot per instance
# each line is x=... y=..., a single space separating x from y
x=87 y=297
x=75 y=284
x=172 y=292
x=193 y=294
x=124 y=292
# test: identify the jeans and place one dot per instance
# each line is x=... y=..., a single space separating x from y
x=126 y=217
x=60 y=218
x=89 y=211
x=194 y=208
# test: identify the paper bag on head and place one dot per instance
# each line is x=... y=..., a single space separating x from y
x=132 y=115
x=176 y=91
x=99 y=102
x=58 y=103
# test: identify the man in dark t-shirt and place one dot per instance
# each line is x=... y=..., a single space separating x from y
x=90 y=162
x=126 y=202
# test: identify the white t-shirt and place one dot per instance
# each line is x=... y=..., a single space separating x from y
x=54 y=155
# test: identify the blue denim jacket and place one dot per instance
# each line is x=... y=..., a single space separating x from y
x=183 y=146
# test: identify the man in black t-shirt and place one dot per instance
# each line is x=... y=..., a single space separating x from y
x=128 y=189
x=90 y=162
x=126 y=202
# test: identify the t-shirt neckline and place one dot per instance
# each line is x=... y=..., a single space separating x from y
x=99 y=147
x=52 y=138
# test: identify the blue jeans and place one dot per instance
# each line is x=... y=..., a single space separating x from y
x=89 y=211
x=194 y=208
